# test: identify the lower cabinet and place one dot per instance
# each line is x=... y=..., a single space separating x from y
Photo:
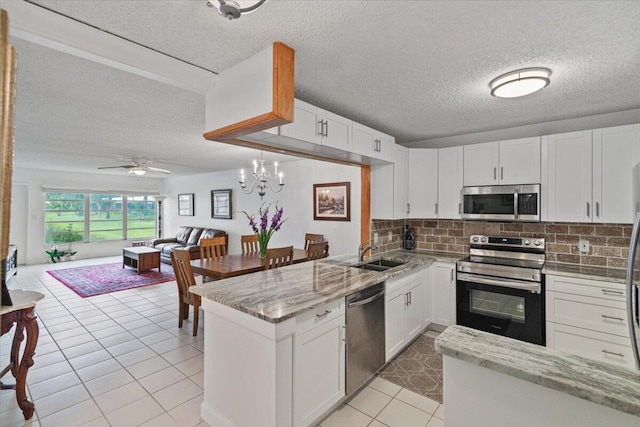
x=588 y=318
x=404 y=311
x=443 y=293
x=319 y=365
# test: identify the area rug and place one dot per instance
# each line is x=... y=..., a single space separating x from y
x=101 y=279
x=418 y=368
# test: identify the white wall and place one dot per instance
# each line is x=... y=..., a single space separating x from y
x=34 y=211
x=296 y=198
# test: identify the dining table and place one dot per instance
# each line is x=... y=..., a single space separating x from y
x=238 y=264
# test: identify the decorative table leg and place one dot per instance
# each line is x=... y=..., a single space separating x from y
x=18 y=336
x=30 y=325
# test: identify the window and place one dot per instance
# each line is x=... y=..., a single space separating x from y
x=72 y=217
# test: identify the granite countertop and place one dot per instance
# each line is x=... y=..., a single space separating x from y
x=615 y=275
x=282 y=293
x=608 y=385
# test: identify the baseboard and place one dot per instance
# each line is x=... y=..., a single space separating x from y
x=212 y=417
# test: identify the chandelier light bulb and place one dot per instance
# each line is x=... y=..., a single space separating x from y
x=262 y=179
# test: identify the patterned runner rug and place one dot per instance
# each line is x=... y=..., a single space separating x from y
x=100 y=279
x=418 y=368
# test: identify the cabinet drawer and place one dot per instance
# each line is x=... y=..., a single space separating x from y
x=319 y=315
x=392 y=285
x=593 y=345
x=596 y=314
x=591 y=288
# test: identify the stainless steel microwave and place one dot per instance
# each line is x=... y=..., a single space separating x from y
x=502 y=203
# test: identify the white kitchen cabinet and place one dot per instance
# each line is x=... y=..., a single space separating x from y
x=423 y=183
x=319 y=369
x=450 y=179
x=443 y=293
x=313 y=124
x=389 y=187
x=566 y=177
x=372 y=143
x=509 y=162
x=588 y=318
x=404 y=301
x=616 y=151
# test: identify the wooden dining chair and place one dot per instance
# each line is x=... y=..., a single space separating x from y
x=318 y=250
x=278 y=257
x=249 y=244
x=181 y=261
x=312 y=238
x=213 y=247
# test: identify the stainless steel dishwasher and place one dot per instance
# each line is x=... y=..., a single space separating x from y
x=365 y=335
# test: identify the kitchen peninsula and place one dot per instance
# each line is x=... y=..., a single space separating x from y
x=274 y=340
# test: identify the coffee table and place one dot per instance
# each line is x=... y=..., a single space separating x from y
x=141 y=258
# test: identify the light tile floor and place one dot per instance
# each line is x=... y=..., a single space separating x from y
x=120 y=360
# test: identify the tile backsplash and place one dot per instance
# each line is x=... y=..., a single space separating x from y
x=608 y=243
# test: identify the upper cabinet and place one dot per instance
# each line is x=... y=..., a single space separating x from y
x=588 y=176
x=423 y=183
x=510 y=162
x=389 y=187
x=450 y=173
x=371 y=143
x=318 y=126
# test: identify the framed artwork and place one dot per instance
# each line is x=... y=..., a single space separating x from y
x=185 y=204
x=332 y=202
x=221 y=204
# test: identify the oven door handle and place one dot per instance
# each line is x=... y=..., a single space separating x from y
x=534 y=287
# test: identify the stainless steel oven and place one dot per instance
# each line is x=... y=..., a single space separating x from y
x=502 y=203
x=500 y=288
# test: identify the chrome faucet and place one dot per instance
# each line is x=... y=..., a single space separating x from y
x=363 y=250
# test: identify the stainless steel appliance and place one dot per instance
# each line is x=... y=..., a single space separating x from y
x=502 y=203
x=633 y=282
x=500 y=287
x=365 y=335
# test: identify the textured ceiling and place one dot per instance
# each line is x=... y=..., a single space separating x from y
x=418 y=70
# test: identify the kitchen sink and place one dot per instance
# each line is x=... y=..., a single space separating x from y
x=378 y=265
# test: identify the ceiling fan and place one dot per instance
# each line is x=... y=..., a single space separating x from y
x=138 y=167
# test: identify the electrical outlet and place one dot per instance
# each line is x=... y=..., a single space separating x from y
x=583 y=245
x=375 y=238
x=390 y=236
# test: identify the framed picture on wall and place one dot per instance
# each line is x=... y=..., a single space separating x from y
x=221 y=204
x=185 y=204
x=332 y=202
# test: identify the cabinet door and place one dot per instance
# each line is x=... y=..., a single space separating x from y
x=395 y=305
x=450 y=171
x=305 y=124
x=519 y=161
x=386 y=144
x=423 y=183
x=337 y=131
x=382 y=189
x=566 y=177
x=616 y=151
x=400 y=170
x=319 y=370
x=413 y=312
x=425 y=282
x=481 y=164
x=443 y=284
x=363 y=140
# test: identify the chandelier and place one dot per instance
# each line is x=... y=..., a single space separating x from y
x=262 y=178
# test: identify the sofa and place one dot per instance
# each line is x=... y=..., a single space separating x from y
x=186 y=238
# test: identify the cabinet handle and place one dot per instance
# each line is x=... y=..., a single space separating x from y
x=501 y=173
x=319 y=128
x=375 y=145
x=343 y=333
x=605 y=317
x=408 y=208
x=406 y=299
x=409 y=297
x=610 y=292
x=613 y=353
x=436 y=208
x=326 y=128
x=597 y=209
x=460 y=208
x=495 y=174
x=588 y=210
x=320 y=316
x=452 y=275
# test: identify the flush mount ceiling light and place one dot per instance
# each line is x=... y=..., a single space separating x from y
x=138 y=170
x=233 y=9
x=520 y=82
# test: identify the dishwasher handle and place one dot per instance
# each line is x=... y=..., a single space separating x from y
x=356 y=303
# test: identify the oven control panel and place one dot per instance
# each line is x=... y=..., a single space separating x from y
x=478 y=241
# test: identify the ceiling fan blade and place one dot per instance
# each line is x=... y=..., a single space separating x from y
x=117 y=167
x=152 y=169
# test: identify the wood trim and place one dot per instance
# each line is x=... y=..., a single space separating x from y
x=365 y=203
x=282 y=100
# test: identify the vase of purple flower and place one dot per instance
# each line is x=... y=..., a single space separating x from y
x=265 y=228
